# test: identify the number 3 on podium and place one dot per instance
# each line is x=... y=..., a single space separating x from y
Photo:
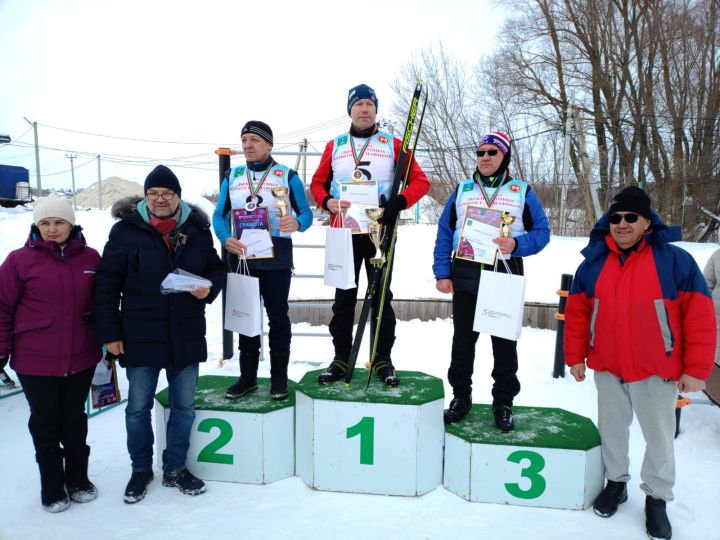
x=531 y=472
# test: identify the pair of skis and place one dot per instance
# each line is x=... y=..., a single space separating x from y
x=378 y=281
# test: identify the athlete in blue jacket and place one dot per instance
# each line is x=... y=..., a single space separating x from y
x=246 y=200
x=490 y=187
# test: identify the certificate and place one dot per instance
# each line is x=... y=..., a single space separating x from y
x=250 y=219
x=363 y=193
x=257 y=221
x=480 y=227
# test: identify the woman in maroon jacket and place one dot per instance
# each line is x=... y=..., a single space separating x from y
x=47 y=329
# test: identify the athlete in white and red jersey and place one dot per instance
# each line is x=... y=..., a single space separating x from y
x=374 y=154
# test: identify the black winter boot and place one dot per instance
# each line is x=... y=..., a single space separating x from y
x=656 y=520
x=52 y=480
x=459 y=408
x=503 y=417
x=279 y=361
x=248 y=376
x=136 y=488
x=385 y=370
x=185 y=481
x=79 y=486
x=335 y=371
x=614 y=494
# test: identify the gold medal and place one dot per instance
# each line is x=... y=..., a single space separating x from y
x=358 y=176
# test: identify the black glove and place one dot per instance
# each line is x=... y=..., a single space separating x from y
x=3 y=362
x=392 y=208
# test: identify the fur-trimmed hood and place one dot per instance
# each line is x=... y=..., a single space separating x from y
x=129 y=204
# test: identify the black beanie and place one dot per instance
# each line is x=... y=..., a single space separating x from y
x=261 y=129
x=631 y=199
x=162 y=177
x=361 y=91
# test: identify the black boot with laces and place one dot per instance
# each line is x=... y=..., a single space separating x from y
x=385 y=371
x=185 y=481
x=335 y=371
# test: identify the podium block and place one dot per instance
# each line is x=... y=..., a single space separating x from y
x=385 y=441
x=551 y=459
x=249 y=440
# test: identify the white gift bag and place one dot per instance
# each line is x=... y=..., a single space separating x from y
x=500 y=304
x=339 y=263
x=242 y=302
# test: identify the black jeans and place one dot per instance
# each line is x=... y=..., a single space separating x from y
x=274 y=289
x=341 y=325
x=506 y=384
x=57 y=412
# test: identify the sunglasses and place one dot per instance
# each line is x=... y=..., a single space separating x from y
x=491 y=153
x=615 y=219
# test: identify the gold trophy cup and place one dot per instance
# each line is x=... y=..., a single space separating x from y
x=280 y=193
x=507 y=220
x=377 y=234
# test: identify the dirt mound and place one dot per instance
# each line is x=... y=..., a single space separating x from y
x=113 y=188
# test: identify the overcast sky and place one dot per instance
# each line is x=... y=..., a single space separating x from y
x=196 y=71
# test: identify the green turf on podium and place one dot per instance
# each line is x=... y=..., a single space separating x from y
x=551 y=459
x=385 y=441
x=249 y=440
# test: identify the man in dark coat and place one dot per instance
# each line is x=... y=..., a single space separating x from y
x=150 y=331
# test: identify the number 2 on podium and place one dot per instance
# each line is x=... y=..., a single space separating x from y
x=366 y=429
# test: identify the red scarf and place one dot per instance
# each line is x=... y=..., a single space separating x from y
x=164 y=226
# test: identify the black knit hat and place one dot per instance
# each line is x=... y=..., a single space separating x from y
x=361 y=91
x=631 y=199
x=261 y=129
x=162 y=177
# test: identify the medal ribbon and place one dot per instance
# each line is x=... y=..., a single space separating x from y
x=490 y=200
x=254 y=192
x=362 y=150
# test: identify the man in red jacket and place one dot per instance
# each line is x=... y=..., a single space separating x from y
x=640 y=312
x=365 y=154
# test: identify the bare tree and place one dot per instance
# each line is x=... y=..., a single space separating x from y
x=461 y=108
x=451 y=120
x=645 y=77
x=643 y=72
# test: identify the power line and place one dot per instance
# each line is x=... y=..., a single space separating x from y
x=316 y=127
x=125 y=138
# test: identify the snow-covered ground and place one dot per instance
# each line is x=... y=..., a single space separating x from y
x=288 y=508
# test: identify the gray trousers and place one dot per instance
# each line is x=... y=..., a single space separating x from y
x=653 y=400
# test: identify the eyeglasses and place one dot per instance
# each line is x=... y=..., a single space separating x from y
x=615 y=219
x=491 y=153
x=164 y=195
